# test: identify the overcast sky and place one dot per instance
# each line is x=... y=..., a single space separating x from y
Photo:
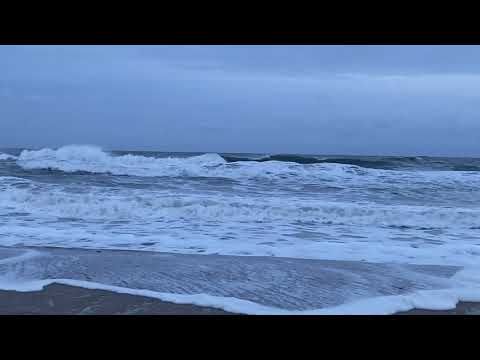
x=389 y=100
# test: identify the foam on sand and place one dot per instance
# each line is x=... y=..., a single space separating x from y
x=307 y=287
x=386 y=305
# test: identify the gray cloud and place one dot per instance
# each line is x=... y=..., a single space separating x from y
x=309 y=99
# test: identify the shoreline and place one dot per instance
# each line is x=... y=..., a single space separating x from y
x=60 y=299
x=197 y=284
x=462 y=308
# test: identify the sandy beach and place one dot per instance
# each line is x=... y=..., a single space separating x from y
x=304 y=284
x=58 y=299
x=463 y=308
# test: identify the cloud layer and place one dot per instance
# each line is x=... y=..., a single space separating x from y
x=296 y=99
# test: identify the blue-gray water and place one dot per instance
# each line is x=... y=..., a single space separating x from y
x=383 y=209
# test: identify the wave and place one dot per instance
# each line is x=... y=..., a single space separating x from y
x=74 y=158
x=7 y=157
x=83 y=159
x=439 y=299
x=305 y=160
x=424 y=291
x=99 y=203
x=298 y=159
x=369 y=162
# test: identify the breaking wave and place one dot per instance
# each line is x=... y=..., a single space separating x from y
x=90 y=159
x=370 y=162
x=7 y=157
x=74 y=158
x=93 y=159
x=24 y=197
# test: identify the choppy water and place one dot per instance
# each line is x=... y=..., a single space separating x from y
x=381 y=209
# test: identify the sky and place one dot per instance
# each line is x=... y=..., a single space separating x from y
x=370 y=100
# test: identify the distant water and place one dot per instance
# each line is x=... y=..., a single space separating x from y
x=422 y=210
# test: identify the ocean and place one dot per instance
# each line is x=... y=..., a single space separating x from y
x=373 y=209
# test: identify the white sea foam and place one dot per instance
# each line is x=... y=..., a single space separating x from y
x=265 y=224
x=92 y=159
x=7 y=157
x=444 y=299
x=100 y=203
x=463 y=286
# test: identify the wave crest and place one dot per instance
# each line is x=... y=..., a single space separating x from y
x=369 y=162
x=93 y=159
x=84 y=158
x=7 y=157
x=44 y=200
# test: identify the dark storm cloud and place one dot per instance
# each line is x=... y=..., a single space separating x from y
x=309 y=99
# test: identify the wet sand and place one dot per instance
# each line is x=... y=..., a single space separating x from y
x=463 y=308
x=284 y=283
x=57 y=299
